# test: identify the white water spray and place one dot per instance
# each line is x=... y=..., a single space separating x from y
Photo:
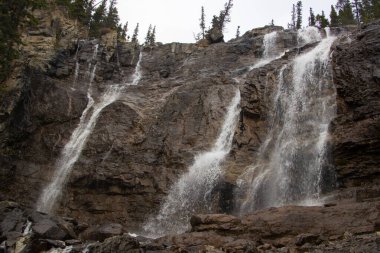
x=192 y=192
x=28 y=228
x=270 y=53
x=308 y=35
x=288 y=167
x=78 y=139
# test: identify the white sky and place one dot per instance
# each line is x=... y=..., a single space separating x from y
x=178 y=20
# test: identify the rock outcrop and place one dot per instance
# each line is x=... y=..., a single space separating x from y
x=356 y=142
x=145 y=140
x=332 y=228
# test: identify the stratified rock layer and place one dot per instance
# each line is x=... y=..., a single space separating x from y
x=143 y=142
x=356 y=130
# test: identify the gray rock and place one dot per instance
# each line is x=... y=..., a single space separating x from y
x=102 y=232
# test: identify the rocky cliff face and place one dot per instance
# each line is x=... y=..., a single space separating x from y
x=356 y=129
x=146 y=139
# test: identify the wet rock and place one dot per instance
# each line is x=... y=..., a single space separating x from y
x=50 y=228
x=102 y=232
x=216 y=222
x=306 y=238
x=355 y=131
x=123 y=243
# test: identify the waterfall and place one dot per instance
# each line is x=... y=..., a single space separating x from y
x=28 y=228
x=289 y=164
x=308 y=35
x=192 y=192
x=269 y=44
x=77 y=65
x=78 y=139
x=269 y=50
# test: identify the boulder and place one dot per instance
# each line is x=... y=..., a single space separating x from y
x=215 y=36
x=102 y=232
x=117 y=244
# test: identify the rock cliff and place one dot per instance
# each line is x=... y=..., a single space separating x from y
x=144 y=141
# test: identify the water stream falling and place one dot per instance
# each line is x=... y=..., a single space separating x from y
x=192 y=192
x=270 y=53
x=28 y=228
x=78 y=139
x=308 y=35
x=289 y=164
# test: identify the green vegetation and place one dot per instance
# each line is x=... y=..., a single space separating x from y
x=322 y=21
x=218 y=23
x=345 y=12
x=311 y=18
x=237 y=32
x=150 y=38
x=299 y=15
x=13 y=14
x=99 y=16
x=135 y=34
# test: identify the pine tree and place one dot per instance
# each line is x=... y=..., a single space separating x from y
x=135 y=34
x=225 y=15
x=322 y=20
x=366 y=11
x=80 y=10
x=357 y=5
x=346 y=16
x=112 y=18
x=152 y=39
x=148 y=35
x=98 y=19
x=311 y=18
x=202 y=23
x=237 y=32
x=334 y=20
x=294 y=17
x=375 y=9
x=299 y=15
x=215 y=23
x=124 y=31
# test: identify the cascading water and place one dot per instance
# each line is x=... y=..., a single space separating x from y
x=77 y=66
x=288 y=167
x=308 y=35
x=270 y=53
x=192 y=192
x=74 y=147
x=269 y=44
x=28 y=228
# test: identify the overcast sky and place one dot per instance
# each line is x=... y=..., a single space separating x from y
x=178 y=20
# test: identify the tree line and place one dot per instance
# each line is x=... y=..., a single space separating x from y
x=345 y=12
x=99 y=16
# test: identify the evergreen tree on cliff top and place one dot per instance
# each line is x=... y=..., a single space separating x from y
x=311 y=18
x=334 y=20
x=148 y=35
x=225 y=15
x=299 y=15
x=292 y=24
x=135 y=34
x=112 y=18
x=202 y=23
x=218 y=23
x=98 y=19
x=346 y=16
x=322 y=20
